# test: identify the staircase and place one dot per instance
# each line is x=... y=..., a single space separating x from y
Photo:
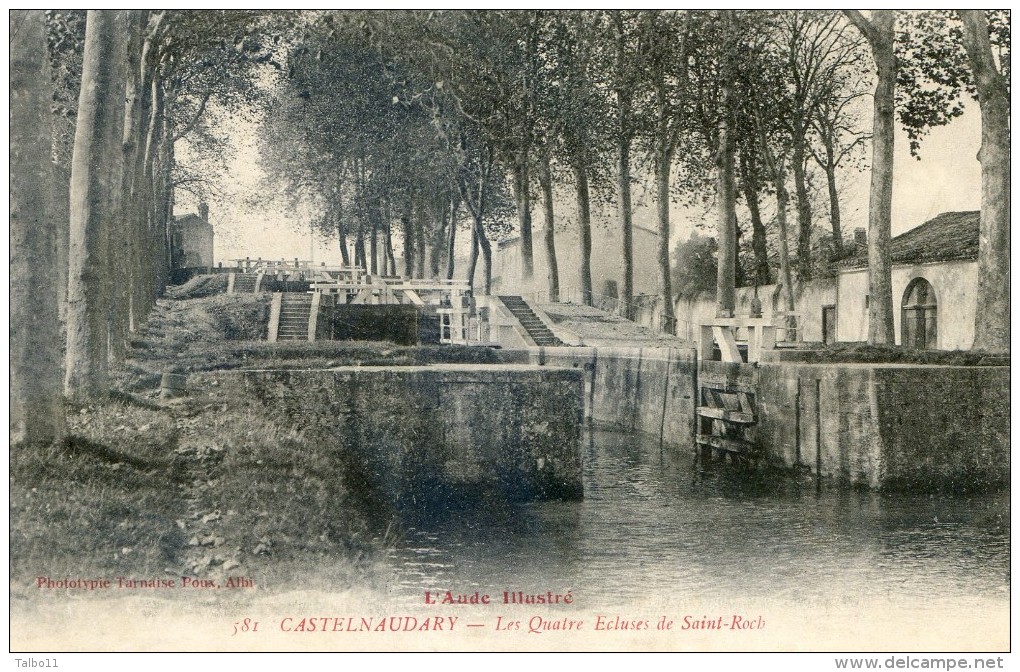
x=244 y=283
x=540 y=333
x=295 y=310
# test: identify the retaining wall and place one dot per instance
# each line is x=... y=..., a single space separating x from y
x=888 y=426
x=650 y=390
x=415 y=434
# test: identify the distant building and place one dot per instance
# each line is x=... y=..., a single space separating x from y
x=606 y=264
x=192 y=242
x=934 y=286
x=606 y=253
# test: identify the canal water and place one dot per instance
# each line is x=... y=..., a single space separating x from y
x=654 y=527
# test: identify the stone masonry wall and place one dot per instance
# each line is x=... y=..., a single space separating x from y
x=889 y=426
x=649 y=390
x=417 y=434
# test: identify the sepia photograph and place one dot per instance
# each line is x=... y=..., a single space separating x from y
x=518 y=330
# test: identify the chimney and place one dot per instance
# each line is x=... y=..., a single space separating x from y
x=861 y=236
x=203 y=211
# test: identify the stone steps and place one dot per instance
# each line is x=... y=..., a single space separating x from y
x=537 y=329
x=244 y=283
x=295 y=311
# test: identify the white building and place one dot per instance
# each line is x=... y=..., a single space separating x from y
x=934 y=286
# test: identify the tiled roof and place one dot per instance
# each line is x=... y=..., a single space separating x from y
x=950 y=236
x=190 y=219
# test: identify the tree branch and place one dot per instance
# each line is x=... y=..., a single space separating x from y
x=862 y=23
x=194 y=120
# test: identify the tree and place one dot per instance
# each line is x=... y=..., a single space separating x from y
x=943 y=55
x=751 y=185
x=578 y=108
x=880 y=34
x=621 y=61
x=546 y=181
x=694 y=266
x=92 y=210
x=37 y=411
x=665 y=55
x=66 y=37
x=726 y=191
x=992 y=326
x=773 y=146
x=820 y=52
x=838 y=140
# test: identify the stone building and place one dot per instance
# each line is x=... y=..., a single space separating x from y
x=606 y=264
x=934 y=285
x=606 y=251
x=192 y=240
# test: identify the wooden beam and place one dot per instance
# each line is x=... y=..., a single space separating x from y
x=738 y=446
x=410 y=295
x=728 y=416
x=727 y=344
x=364 y=297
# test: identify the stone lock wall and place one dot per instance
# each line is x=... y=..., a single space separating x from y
x=648 y=390
x=888 y=426
x=419 y=434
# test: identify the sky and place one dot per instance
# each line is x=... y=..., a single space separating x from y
x=948 y=177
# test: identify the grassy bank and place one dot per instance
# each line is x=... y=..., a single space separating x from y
x=206 y=485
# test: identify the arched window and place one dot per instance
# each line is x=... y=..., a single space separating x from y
x=919 y=326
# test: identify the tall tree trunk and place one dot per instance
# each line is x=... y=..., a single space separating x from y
x=131 y=143
x=663 y=162
x=626 y=219
x=163 y=197
x=373 y=242
x=777 y=172
x=545 y=178
x=451 y=239
x=61 y=215
x=880 y=33
x=758 y=244
x=738 y=270
x=341 y=229
x=623 y=90
x=391 y=262
x=473 y=258
x=584 y=229
x=486 y=249
x=437 y=241
x=786 y=273
x=522 y=197
x=359 y=247
x=119 y=230
x=835 y=220
x=804 y=268
x=419 y=242
x=991 y=326
x=167 y=198
x=726 y=194
x=408 y=231
x=150 y=166
x=144 y=298
x=475 y=200
x=36 y=385
x=86 y=372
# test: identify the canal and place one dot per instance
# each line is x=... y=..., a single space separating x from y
x=656 y=528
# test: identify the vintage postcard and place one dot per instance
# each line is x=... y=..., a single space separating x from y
x=520 y=330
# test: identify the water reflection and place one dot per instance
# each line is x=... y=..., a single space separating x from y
x=655 y=526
